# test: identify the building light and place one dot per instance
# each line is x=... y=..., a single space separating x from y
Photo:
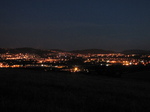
x=75 y=69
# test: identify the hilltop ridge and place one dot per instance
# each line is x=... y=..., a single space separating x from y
x=84 y=51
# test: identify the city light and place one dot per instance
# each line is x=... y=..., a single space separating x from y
x=65 y=61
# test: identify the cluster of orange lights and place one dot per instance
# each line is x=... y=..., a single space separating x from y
x=10 y=66
x=75 y=69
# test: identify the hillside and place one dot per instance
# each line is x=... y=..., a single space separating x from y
x=30 y=91
x=84 y=51
x=136 y=52
x=24 y=50
x=92 y=51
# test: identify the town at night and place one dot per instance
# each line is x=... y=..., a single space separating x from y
x=74 y=56
x=73 y=61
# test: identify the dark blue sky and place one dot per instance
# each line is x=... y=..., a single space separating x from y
x=75 y=24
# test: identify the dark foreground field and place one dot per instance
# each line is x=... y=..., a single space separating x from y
x=38 y=91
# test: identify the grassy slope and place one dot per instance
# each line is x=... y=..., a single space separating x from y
x=37 y=91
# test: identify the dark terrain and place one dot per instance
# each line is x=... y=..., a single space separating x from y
x=24 y=90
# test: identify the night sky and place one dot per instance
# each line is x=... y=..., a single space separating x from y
x=75 y=24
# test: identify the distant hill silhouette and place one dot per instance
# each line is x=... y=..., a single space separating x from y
x=24 y=50
x=85 y=51
x=92 y=51
x=40 y=51
x=2 y=50
x=57 y=50
x=136 y=51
